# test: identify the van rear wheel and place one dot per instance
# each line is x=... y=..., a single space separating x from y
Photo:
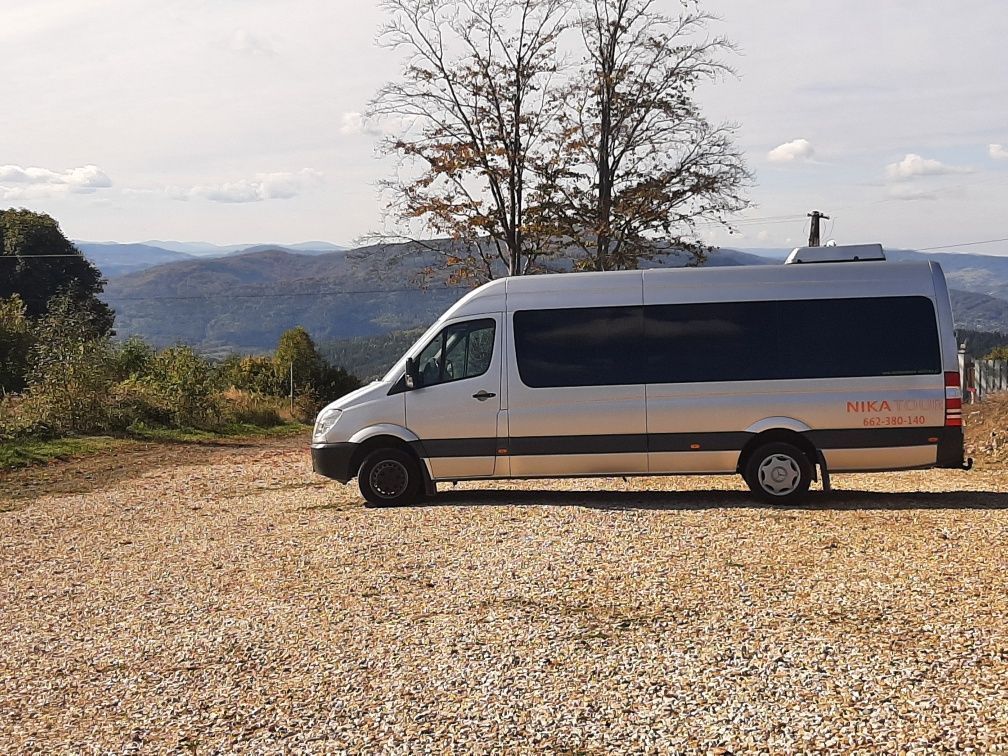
x=779 y=473
x=390 y=478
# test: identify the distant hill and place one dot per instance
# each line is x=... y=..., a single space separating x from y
x=114 y=259
x=244 y=301
x=296 y=249
x=206 y=249
x=198 y=249
x=370 y=357
x=979 y=312
x=314 y=247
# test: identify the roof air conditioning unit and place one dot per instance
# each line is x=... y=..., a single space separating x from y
x=837 y=253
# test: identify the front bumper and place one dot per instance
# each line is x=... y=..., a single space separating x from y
x=333 y=461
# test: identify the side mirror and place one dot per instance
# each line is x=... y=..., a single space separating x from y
x=412 y=374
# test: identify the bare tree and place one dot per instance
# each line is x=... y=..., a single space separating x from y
x=472 y=108
x=636 y=165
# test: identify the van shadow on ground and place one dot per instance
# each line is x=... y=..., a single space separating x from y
x=700 y=500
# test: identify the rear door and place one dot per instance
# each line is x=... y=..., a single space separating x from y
x=454 y=410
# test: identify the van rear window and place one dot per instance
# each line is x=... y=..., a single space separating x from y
x=727 y=341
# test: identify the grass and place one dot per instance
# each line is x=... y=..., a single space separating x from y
x=24 y=453
x=28 y=452
x=234 y=430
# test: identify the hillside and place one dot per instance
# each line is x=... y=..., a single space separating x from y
x=979 y=312
x=114 y=259
x=245 y=301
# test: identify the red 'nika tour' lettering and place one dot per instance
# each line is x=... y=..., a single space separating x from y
x=869 y=406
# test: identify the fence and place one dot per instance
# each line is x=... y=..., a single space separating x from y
x=988 y=376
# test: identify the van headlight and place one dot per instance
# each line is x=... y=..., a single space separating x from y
x=324 y=423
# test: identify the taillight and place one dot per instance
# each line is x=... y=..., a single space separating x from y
x=953 y=399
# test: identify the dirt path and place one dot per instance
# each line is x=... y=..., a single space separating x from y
x=97 y=471
x=222 y=598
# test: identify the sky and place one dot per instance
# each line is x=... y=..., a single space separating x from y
x=233 y=121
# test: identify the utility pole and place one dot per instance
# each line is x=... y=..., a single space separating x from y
x=813 y=237
x=292 y=387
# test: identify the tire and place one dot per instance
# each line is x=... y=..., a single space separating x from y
x=779 y=473
x=390 y=478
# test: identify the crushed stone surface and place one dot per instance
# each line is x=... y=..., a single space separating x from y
x=227 y=600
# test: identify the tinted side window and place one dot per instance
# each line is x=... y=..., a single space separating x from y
x=838 y=338
x=461 y=350
x=730 y=341
x=727 y=341
x=590 y=346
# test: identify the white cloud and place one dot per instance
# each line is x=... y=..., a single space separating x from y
x=265 y=186
x=914 y=165
x=84 y=177
x=354 y=123
x=797 y=150
x=244 y=41
x=17 y=182
x=998 y=152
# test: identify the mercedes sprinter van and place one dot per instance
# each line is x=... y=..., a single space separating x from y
x=836 y=361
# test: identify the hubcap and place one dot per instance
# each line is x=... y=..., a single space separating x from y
x=389 y=479
x=779 y=474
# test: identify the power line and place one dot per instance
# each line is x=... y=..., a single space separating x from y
x=964 y=244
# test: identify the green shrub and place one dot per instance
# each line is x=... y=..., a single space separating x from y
x=186 y=381
x=251 y=373
x=16 y=340
x=135 y=403
x=133 y=358
x=244 y=408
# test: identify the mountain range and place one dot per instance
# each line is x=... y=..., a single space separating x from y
x=116 y=259
x=243 y=299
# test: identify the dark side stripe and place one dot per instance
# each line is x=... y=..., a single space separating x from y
x=845 y=438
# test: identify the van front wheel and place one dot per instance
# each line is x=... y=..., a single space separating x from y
x=779 y=473
x=390 y=478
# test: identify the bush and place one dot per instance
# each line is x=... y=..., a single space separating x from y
x=307 y=406
x=186 y=383
x=135 y=403
x=133 y=358
x=69 y=387
x=16 y=342
x=251 y=373
x=247 y=408
x=997 y=353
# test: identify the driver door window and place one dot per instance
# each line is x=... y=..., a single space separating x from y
x=461 y=350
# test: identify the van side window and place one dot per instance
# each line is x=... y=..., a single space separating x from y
x=727 y=341
x=724 y=341
x=585 y=346
x=839 y=338
x=461 y=350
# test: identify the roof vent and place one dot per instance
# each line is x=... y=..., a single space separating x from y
x=837 y=253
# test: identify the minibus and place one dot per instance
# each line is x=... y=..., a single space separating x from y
x=837 y=361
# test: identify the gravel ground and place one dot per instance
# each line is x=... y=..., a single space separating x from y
x=224 y=599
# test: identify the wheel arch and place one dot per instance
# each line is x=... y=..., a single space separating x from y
x=381 y=441
x=778 y=434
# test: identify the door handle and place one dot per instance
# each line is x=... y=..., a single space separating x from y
x=483 y=395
